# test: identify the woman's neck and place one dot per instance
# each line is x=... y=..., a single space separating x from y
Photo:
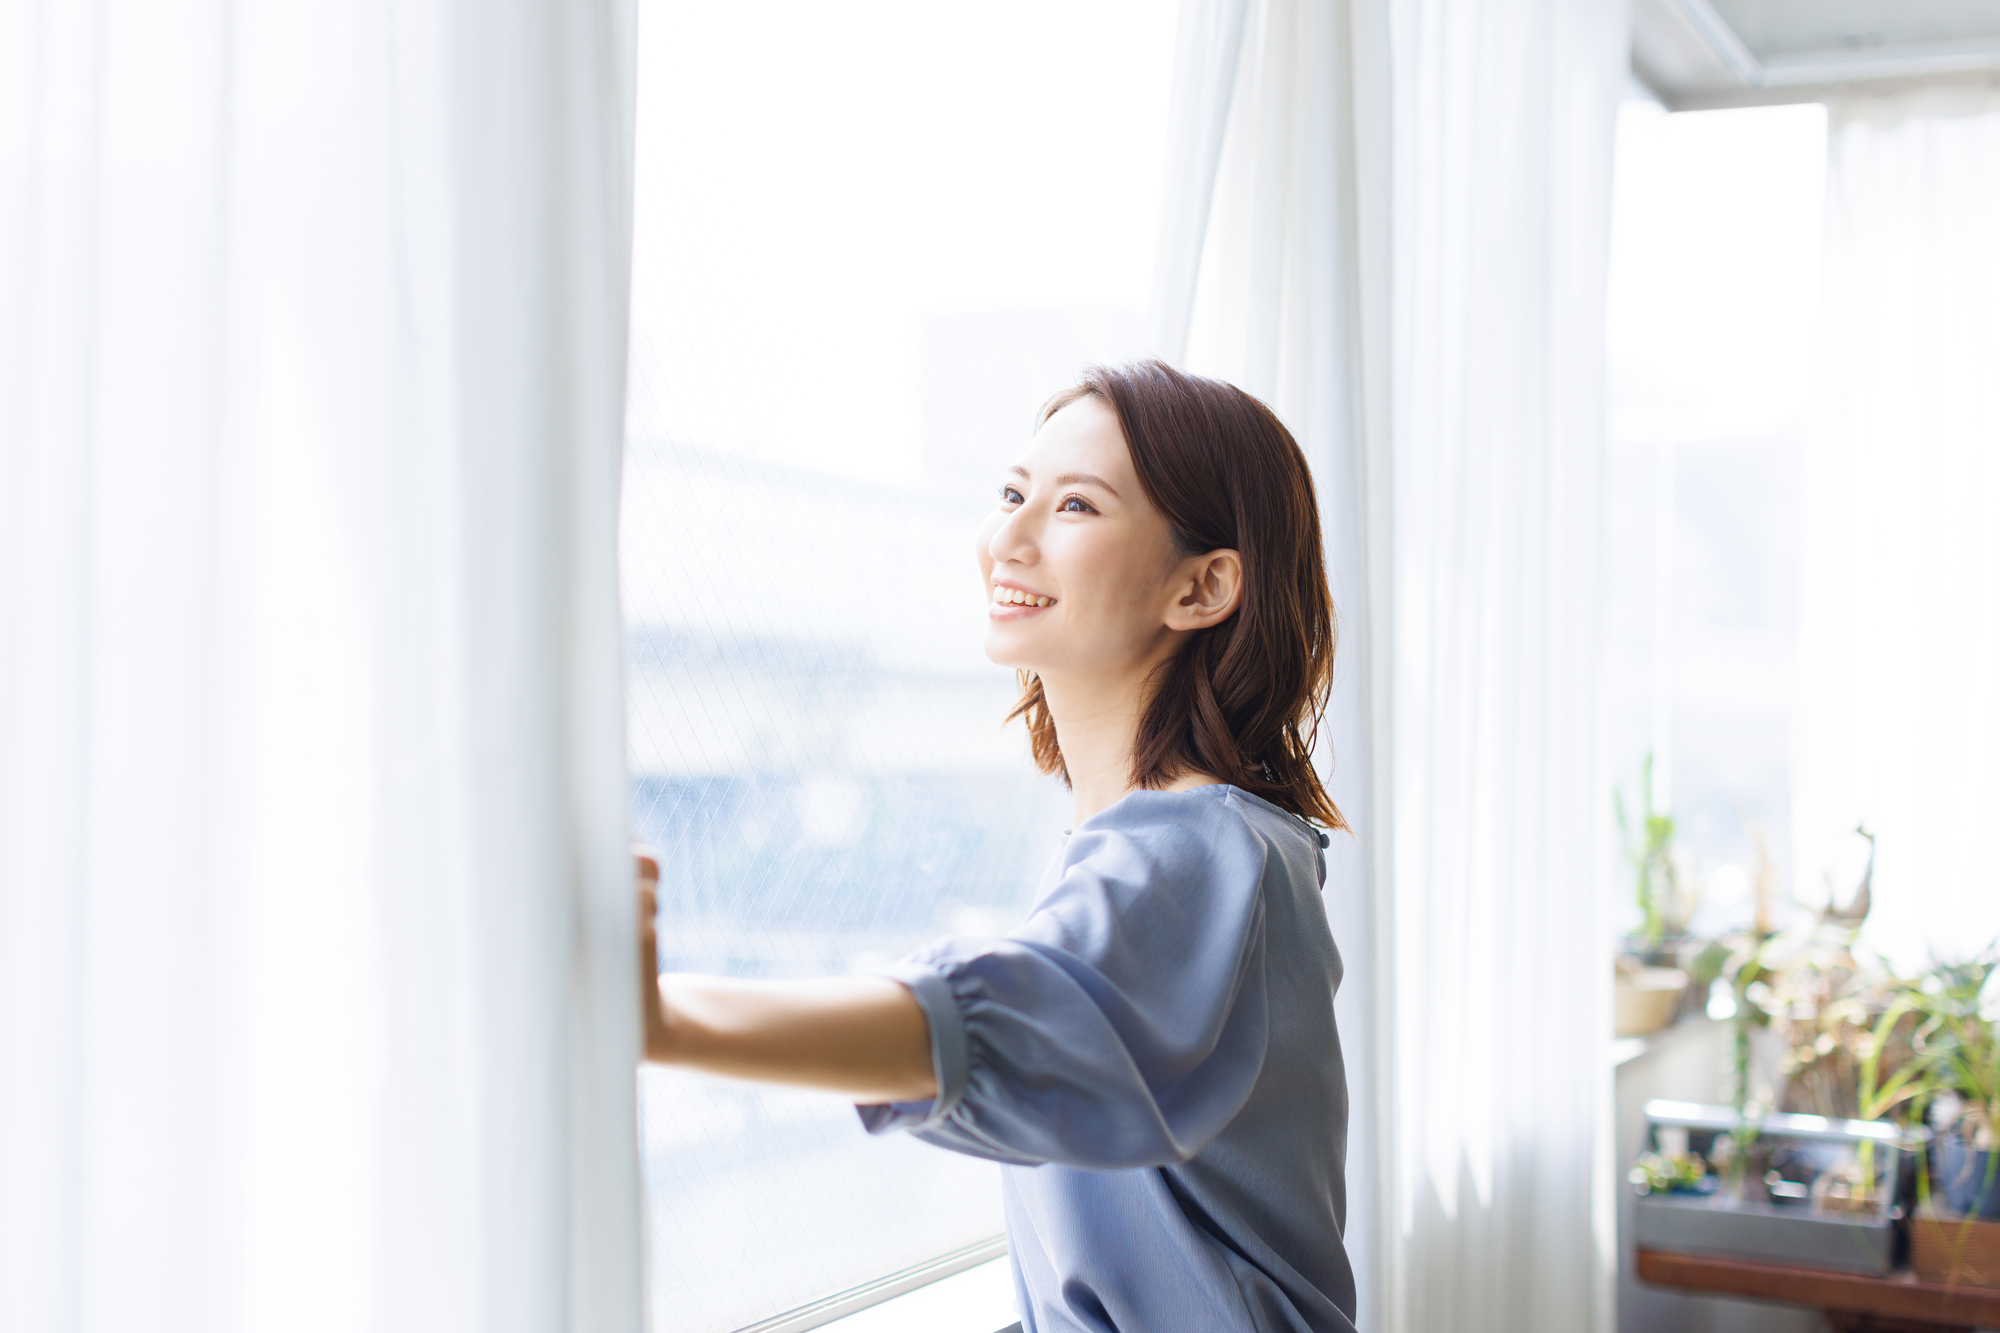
x=1097 y=723
x=1097 y=727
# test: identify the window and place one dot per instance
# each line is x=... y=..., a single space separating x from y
x=1712 y=321
x=870 y=240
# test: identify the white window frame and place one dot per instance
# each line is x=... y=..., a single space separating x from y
x=884 y=1289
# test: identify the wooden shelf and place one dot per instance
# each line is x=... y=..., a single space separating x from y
x=1894 y=1296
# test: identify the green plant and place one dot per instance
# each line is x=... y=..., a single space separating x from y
x=1657 y=888
x=1750 y=971
x=1963 y=1044
x=1753 y=965
x=1953 y=1053
x=1879 y=1096
x=1882 y=1092
x=1954 y=1048
x=1670 y=1173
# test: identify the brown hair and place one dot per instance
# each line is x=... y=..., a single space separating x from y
x=1242 y=699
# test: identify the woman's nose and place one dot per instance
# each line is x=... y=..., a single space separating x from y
x=1012 y=542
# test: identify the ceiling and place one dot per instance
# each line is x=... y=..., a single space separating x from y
x=1695 y=53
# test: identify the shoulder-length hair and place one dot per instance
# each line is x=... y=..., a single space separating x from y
x=1241 y=699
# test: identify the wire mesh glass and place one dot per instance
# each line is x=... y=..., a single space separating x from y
x=868 y=243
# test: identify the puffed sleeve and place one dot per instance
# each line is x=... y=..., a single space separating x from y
x=1124 y=1023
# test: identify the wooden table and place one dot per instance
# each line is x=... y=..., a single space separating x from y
x=1854 y=1302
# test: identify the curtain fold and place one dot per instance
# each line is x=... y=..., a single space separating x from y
x=316 y=958
x=1207 y=40
x=1503 y=131
x=1404 y=251
x=1899 y=647
x=1263 y=258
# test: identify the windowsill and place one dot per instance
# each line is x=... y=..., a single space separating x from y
x=976 y=1300
x=1624 y=1050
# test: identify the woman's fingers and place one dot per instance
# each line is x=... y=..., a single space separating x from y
x=649 y=911
x=646 y=876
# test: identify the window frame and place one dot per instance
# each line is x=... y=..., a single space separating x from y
x=881 y=1290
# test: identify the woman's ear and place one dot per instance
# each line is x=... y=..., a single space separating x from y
x=1208 y=590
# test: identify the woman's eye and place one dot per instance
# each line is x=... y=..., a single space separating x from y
x=1075 y=504
x=1009 y=496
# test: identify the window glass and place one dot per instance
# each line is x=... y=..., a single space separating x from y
x=870 y=239
x=1711 y=321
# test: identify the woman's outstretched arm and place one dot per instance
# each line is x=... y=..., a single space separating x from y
x=862 y=1037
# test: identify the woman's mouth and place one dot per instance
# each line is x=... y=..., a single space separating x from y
x=1015 y=603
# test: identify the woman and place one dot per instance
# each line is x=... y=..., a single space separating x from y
x=1152 y=1055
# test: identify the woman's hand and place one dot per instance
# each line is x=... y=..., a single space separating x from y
x=646 y=877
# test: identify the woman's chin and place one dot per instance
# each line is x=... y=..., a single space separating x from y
x=1005 y=649
x=1001 y=657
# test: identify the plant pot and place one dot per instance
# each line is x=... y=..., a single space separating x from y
x=1964 y=1179
x=1646 y=999
x=1947 y=1249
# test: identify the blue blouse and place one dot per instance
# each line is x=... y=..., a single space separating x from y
x=1152 y=1055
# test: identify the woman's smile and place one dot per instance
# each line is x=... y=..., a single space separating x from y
x=1012 y=601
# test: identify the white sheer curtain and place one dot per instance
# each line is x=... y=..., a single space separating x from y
x=1899 y=647
x=1402 y=245
x=1500 y=1013
x=316 y=963
x=1260 y=283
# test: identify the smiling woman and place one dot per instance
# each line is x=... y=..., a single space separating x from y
x=1157 y=1040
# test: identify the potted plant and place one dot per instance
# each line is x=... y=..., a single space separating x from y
x=1662 y=888
x=1651 y=984
x=1950 y=1077
x=1963 y=1048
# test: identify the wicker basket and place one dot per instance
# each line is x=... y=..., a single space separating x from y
x=1950 y=1249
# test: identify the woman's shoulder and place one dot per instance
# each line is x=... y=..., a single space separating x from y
x=1214 y=821
x=1207 y=804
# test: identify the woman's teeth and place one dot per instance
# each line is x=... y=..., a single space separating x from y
x=1015 y=597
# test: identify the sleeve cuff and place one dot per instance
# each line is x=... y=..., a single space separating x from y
x=948 y=1052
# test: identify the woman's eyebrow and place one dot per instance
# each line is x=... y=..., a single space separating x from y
x=1074 y=479
x=1086 y=479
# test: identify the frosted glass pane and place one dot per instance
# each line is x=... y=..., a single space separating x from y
x=870 y=239
x=822 y=802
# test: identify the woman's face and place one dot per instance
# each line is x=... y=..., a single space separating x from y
x=1082 y=575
